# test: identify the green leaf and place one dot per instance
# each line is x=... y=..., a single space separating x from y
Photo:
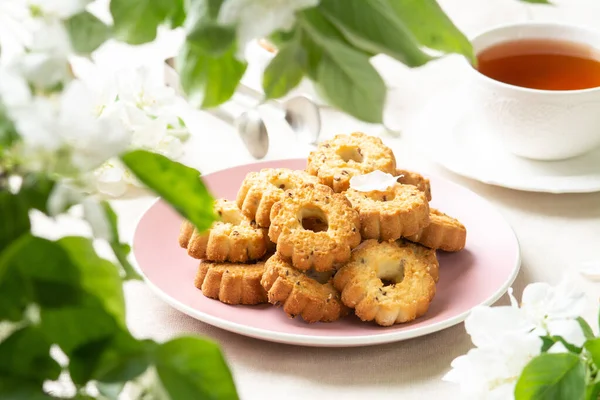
x=25 y=354
x=73 y=327
x=8 y=133
x=285 y=71
x=209 y=80
x=110 y=391
x=426 y=20
x=119 y=358
x=179 y=185
x=178 y=14
x=86 y=32
x=212 y=38
x=586 y=328
x=136 y=21
x=12 y=388
x=374 y=27
x=15 y=218
x=46 y=270
x=349 y=82
x=593 y=348
x=193 y=368
x=121 y=250
x=35 y=191
x=592 y=391
x=314 y=28
x=552 y=376
x=549 y=341
x=99 y=277
x=16 y=295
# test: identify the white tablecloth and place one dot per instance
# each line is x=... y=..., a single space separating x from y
x=556 y=232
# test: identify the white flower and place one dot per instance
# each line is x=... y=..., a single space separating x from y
x=508 y=337
x=488 y=325
x=59 y=9
x=16 y=25
x=543 y=302
x=492 y=372
x=376 y=180
x=94 y=213
x=46 y=62
x=256 y=19
x=110 y=179
x=62 y=197
x=93 y=139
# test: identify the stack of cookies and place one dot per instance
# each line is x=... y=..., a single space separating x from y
x=308 y=242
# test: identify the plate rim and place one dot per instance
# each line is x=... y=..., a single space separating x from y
x=323 y=341
x=423 y=127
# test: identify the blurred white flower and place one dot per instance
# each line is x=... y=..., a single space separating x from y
x=149 y=109
x=92 y=138
x=110 y=179
x=59 y=9
x=256 y=19
x=46 y=64
x=491 y=373
x=16 y=25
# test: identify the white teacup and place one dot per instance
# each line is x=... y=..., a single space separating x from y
x=531 y=123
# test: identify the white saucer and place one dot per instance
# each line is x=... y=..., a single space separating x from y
x=453 y=139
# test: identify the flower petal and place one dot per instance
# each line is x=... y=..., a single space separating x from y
x=376 y=180
x=568 y=329
x=486 y=325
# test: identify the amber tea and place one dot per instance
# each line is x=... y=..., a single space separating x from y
x=542 y=64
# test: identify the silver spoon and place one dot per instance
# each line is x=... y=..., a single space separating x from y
x=253 y=132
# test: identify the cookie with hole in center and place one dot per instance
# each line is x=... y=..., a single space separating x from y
x=232 y=238
x=415 y=179
x=232 y=283
x=308 y=295
x=388 y=282
x=260 y=190
x=443 y=232
x=314 y=227
x=389 y=214
x=337 y=160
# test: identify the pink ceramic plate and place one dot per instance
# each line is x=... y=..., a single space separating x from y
x=480 y=274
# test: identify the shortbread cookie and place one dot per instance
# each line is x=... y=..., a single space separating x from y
x=331 y=240
x=415 y=179
x=232 y=238
x=443 y=232
x=299 y=294
x=232 y=283
x=387 y=282
x=337 y=160
x=398 y=211
x=260 y=190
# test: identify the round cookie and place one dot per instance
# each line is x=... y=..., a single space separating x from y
x=330 y=241
x=398 y=211
x=388 y=282
x=299 y=294
x=415 y=179
x=232 y=238
x=232 y=283
x=443 y=232
x=260 y=190
x=337 y=160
